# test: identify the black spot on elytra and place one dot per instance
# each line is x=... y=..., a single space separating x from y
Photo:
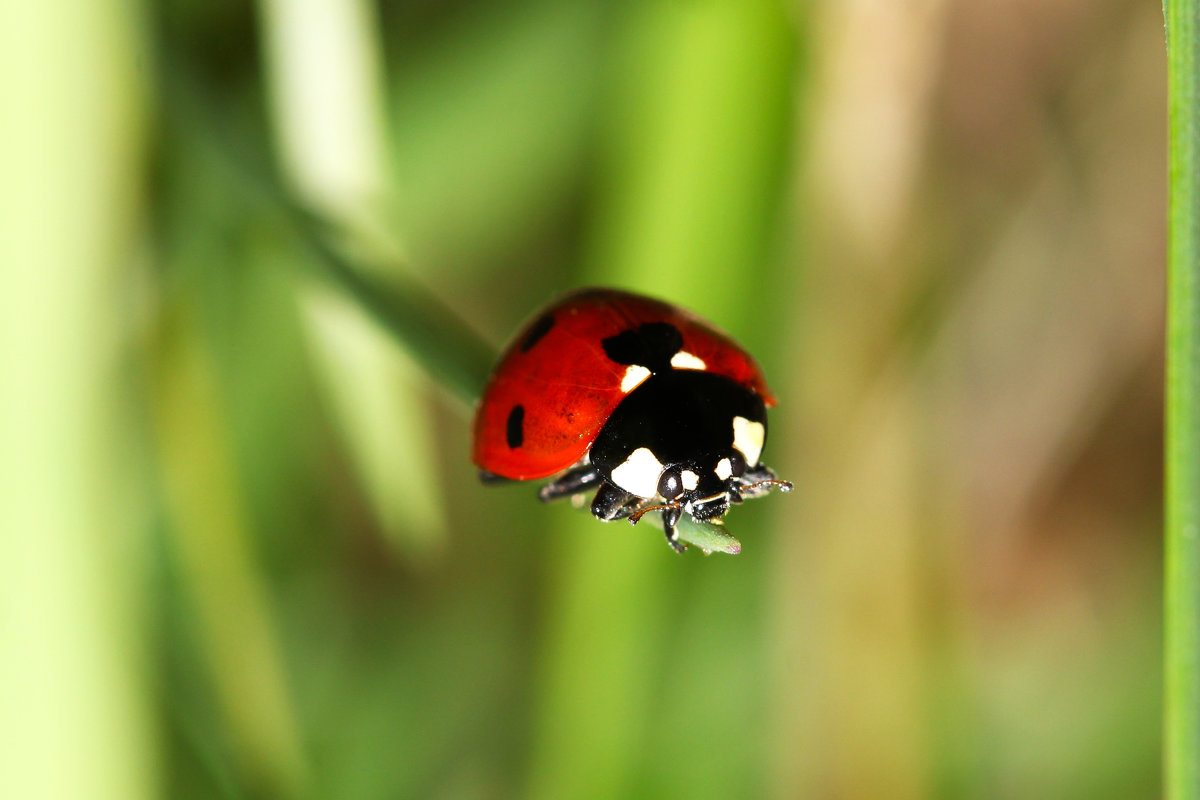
x=539 y=329
x=650 y=345
x=514 y=430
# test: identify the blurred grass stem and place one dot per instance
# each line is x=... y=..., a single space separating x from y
x=437 y=339
x=213 y=538
x=434 y=335
x=1182 y=580
x=324 y=63
x=76 y=715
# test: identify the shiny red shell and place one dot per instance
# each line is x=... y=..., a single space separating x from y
x=557 y=373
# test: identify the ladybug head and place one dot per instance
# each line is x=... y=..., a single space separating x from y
x=704 y=487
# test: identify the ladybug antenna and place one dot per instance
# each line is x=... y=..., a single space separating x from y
x=641 y=512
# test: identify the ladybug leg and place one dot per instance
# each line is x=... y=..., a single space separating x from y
x=759 y=482
x=669 y=519
x=612 y=502
x=570 y=482
x=760 y=473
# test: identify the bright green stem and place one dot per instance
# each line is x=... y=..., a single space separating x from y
x=1182 y=580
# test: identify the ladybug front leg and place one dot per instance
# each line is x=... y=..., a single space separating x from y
x=757 y=483
x=670 y=517
x=570 y=482
x=612 y=502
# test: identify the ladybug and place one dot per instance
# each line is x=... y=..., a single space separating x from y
x=641 y=402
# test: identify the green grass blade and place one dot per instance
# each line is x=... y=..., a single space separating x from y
x=438 y=339
x=433 y=334
x=77 y=715
x=324 y=70
x=1182 y=579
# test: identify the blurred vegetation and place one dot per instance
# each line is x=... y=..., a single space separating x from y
x=245 y=554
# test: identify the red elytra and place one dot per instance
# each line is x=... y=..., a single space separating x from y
x=562 y=385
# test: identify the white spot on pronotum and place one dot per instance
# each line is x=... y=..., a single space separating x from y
x=690 y=479
x=748 y=438
x=724 y=469
x=633 y=378
x=639 y=473
x=685 y=360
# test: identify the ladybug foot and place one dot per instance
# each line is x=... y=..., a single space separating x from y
x=570 y=483
x=670 y=518
x=611 y=503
